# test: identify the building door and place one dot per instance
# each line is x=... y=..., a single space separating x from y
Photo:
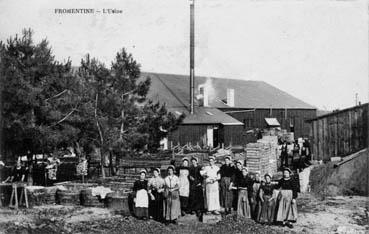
x=210 y=136
x=215 y=136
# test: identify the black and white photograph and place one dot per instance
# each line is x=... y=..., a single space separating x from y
x=184 y=116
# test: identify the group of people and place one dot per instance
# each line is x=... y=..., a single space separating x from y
x=166 y=199
x=296 y=155
x=23 y=172
x=19 y=173
x=195 y=189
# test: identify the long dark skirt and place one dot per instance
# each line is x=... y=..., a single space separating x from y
x=196 y=199
x=156 y=206
x=184 y=203
x=243 y=207
x=141 y=212
x=255 y=207
x=235 y=199
x=226 y=196
x=266 y=214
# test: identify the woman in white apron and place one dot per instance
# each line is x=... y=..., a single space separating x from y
x=212 y=186
x=184 y=186
x=140 y=189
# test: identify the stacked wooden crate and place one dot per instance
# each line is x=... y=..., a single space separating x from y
x=257 y=158
x=262 y=156
x=271 y=143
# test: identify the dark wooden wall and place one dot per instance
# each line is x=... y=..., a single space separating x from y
x=235 y=135
x=228 y=134
x=189 y=133
x=340 y=133
x=255 y=119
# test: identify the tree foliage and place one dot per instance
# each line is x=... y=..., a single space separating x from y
x=48 y=105
x=32 y=80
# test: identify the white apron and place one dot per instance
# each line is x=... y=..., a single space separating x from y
x=212 y=189
x=142 y=198
x=184 y=183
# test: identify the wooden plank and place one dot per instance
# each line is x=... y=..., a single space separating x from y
x=341 y=133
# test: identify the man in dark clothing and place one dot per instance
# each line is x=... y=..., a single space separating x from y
x=296 y=157
x=284 y=154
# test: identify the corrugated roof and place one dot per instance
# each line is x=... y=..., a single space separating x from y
x=174 y=91
x=205 y=115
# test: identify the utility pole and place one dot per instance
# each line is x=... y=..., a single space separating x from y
x=192 y=55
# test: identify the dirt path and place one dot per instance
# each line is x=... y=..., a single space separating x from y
x=333 y=215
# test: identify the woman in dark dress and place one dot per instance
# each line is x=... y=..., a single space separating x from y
x=244 y=185
x=226 y=194
x=267 y=201
x=156 y=190
x=236 y=175
x=286 y=201
x=254 y=198
x=140 y=188
x=196 y=199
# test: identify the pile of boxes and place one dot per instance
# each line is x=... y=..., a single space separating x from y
x=262 y=156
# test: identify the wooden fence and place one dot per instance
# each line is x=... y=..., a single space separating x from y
x=339 y=133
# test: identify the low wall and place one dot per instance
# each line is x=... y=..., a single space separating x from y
x=349 y=178
x=352 y=175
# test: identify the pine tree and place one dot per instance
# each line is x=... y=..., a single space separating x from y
x=116 y=98
x=47 y=105
x=36 y=97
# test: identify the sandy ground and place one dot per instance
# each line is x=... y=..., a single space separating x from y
x=332 y=215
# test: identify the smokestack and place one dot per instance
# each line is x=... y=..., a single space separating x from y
x=192 y=54
x=230 y=97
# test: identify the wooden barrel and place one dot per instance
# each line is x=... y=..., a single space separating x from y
x=86 y=199
x=66 y=197
x=50 y=193
x=118 y=204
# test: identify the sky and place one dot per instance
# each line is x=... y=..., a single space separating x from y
x=316 y=50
